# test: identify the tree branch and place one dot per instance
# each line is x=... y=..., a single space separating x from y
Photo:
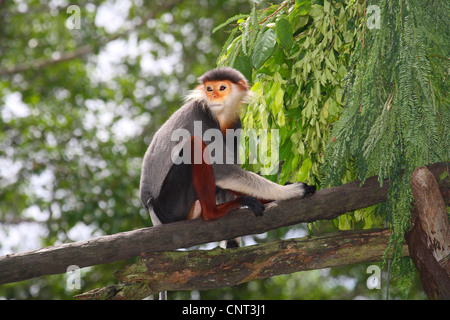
x=41 y=63
x=429 y=239
x=210 y=269
x=325 y=204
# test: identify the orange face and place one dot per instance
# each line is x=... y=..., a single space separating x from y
x=217 y=91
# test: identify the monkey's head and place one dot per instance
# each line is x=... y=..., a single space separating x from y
x=223 y=90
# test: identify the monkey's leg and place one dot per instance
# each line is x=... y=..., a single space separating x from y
x=234 y=178
x=205 y=186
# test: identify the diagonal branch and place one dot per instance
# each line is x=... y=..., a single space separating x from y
x=324 y=205
x=41 y=63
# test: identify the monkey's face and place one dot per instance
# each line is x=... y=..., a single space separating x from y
x=217 y=93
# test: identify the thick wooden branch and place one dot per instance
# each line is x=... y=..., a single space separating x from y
x=429 y=239
x=325 y=204
x=209 y=269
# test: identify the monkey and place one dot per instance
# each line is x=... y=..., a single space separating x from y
x=174 y=190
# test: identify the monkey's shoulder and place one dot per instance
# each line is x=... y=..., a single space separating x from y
x=186 y=118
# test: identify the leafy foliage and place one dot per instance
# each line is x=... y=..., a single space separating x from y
x=397 y=114
x=70 y=166
x=298 y=82
x=296 y=54
x=78 y=108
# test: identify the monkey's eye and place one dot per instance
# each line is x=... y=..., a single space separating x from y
x=209 y=88
x=222 y=88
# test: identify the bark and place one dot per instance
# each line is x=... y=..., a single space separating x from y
x=429 y=239
x=209 y=269
x=325 y=204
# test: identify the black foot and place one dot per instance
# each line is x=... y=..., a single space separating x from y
x=253 y=204
x=233 y=243
x=309 y=190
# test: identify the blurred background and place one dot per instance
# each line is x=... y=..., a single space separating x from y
x=82 y=90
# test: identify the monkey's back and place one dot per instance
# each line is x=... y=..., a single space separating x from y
x=157 y=159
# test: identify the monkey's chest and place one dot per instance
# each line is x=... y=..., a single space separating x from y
x=225 y=122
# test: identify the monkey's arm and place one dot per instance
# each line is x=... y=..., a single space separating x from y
x=233 y=177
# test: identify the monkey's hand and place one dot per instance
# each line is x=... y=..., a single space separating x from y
x=253 y=204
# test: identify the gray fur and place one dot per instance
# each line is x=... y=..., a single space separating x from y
x=157 y=161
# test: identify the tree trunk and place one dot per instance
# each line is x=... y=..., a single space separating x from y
x=209 y=269
x=429 y=239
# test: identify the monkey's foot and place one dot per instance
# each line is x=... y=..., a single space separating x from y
x=309 y=190
x=253 y=204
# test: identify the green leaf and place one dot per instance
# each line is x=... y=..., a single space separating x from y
x=264 y=48
x=303 y=6
x=348 y=36
x=244 y=65
x=254 y=28
x=333 y=109
x=281 y=119
x=273 y=91
x=304 y=170
x=236 y=17
x=285 y=149
x=230 y=39
x=326 y=6
x=279 y=99
x=316 y=12
x=345 y=222
x=285 y=34
x=263 y=118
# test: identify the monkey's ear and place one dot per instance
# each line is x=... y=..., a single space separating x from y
x=244 y=84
